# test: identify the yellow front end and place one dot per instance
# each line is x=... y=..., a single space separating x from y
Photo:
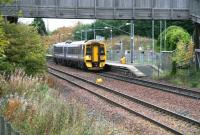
x=95 y=56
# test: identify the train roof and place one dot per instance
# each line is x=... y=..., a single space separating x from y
x=60 y=44
x=74 y=44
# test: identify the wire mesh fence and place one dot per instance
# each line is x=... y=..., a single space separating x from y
x=6 y=128
x=163 y=60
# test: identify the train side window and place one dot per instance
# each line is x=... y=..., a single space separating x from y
x=102 y=51
x=88 y=51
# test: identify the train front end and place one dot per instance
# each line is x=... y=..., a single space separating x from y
x=95 y=55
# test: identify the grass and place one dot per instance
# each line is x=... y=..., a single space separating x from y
x=184 y=77
x=35 y=109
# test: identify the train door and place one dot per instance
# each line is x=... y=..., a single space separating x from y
x=95 y=54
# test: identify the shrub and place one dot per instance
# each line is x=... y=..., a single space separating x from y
x=25 y=49
x=3 y=41
x=174 y=34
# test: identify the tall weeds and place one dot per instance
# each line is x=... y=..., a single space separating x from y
x=34 y=109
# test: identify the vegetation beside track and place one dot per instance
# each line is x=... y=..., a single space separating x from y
x=34 y=108
x=183 y=77
x=22 y=48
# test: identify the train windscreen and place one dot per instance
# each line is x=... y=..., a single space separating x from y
x=88 y=51
x=102 y=51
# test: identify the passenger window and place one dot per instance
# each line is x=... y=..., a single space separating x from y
x=102 y=51
x=88 y=51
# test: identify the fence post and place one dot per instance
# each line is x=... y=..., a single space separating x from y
x=8 y=128
x=17 y=133
x=2 y=125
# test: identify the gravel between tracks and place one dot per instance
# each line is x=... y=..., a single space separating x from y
x=177 y=124
x=126 y=123
x=182 y=105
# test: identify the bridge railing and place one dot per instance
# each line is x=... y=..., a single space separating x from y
x=6 y=128
x=101 y=9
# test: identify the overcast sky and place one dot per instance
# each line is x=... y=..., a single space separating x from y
x=53 y=24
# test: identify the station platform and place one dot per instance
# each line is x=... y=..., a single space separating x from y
x=132 y=68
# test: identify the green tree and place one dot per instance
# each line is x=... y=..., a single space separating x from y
x=25 y=49
x=142 y=28
x=38 y=23
x=179 y=40
x=3 y=40
x=174 y=34
x=5 y=1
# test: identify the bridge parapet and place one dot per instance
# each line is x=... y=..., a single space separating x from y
x=101 y=9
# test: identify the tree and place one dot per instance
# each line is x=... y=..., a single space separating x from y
x=174 y=35
x=25 y=49
x=184 y=53
x=142 y=28
x=178 y=40
x=5 y=1
x=38 y=23
x=3 y=41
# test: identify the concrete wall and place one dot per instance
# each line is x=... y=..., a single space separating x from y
x=101 y=9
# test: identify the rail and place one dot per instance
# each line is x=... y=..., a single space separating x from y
x=190 y=93
x=62 y=75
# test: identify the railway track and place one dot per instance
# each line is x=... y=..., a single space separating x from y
x=78 y=81
x=156 y=85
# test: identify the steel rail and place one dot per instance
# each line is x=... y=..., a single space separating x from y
x=119 y=105
x=135 y=100
x=156 y=85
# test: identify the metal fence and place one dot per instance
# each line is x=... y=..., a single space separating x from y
x=6 y=128
x=162 y=60
x=197 y=55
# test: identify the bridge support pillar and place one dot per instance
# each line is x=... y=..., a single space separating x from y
x=197 y=45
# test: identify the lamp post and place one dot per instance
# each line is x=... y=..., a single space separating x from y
x=131 y=35
x=124 y=25
x=132 y=40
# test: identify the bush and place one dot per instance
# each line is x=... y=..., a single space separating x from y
x=174 y=34
x=3 y=40
x=25 y=49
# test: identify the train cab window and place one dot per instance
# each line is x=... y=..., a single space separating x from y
x=88 y=51
x=102 y=51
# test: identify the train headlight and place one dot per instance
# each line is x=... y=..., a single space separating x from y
x=102 y=57
x=88 y=57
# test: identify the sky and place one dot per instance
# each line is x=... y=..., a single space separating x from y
x=53 y=24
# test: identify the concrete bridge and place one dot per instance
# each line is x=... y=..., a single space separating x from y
x=106 y=9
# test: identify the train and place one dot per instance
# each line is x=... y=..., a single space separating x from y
x=87 y=55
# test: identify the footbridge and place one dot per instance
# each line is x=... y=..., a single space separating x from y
x=105 y=9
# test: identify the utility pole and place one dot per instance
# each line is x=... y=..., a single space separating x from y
x=153 y=40
x=94 y=30
x=165 y=36
x=132 y=40
x=86 y=35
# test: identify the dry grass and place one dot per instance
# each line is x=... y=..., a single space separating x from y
x=144 y=42
x=35 y=109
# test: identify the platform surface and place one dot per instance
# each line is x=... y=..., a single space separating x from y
x=130 y=67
